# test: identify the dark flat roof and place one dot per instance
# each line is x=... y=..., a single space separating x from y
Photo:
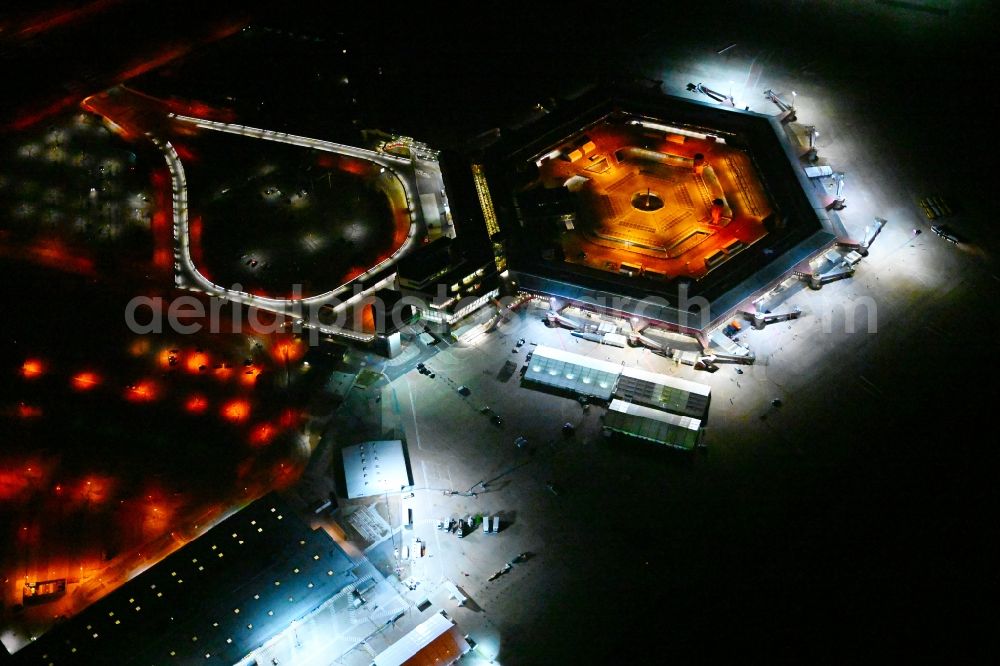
x=261 y=559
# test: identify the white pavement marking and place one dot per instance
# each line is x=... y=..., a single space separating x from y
x=413 y=409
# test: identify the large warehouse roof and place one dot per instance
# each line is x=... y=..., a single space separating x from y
x=572 y=372
x=212 y=601
x=653 y=425
x=667 y=380
x=671 y=394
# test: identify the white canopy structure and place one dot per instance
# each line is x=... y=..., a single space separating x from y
x=371 y=468
x=654 y=425
x=434 y=641
x=572 y=372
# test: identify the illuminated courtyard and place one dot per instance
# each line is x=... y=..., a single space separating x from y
x=656 y=200
x=635 y=202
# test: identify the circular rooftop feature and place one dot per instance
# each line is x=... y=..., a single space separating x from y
x=647 y=201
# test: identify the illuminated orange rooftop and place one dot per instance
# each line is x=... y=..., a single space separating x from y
x=655 y=200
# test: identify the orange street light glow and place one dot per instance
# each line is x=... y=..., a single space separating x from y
x=289 y=418
x=85 y=381
x=250 y=376
x=144 y=391
x=262 y=434
x=197 y=361
x=287 y=350
x=139 y=347
x=28 y=411
x=12 y=484
x=164 y=357
x=236 y=411
x=196 y=404
x=32 y=368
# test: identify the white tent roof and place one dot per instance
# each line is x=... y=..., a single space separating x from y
x=667 y=380
x=652 y=424
x=578 y=359
x=375 y=467
x=419 y=637
x=655 y=414
x=572 y=372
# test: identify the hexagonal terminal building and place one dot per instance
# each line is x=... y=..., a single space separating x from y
x=640 y=204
